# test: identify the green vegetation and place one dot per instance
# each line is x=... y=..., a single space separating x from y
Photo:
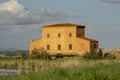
x=21 y=54
x=90 y=67
x=109 y=56
x=95 y=55
x=74 y=68
x=39 y=53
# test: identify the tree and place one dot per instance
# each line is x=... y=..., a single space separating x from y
x=21 y=54
x=95 y=55
x=39 y=53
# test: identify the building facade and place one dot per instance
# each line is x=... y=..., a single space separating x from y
x=64 y=39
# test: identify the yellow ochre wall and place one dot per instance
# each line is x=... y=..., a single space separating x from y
x=79 y=45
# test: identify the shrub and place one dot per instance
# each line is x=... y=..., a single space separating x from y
x=93 y=55
x=109 y=56
x=21 y=54
x=39 y=53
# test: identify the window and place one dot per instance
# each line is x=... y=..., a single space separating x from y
x=59 y=35
x=48 y=47
x=70 y=34
x=59 y=47
x=70 y=46
x=94 y=46
x=82 y=46
x=48 y=35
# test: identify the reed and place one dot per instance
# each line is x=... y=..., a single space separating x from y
x=74 y=68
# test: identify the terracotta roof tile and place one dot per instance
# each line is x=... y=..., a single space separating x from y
x=63 y=24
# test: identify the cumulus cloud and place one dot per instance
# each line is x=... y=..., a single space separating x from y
x=112 y=1
x=13 y=13
x=17 y=22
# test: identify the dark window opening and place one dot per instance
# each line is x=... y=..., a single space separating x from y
x=94 y=46
x=59 y=35
x=70 y=46
x=48 y=47
x=59 y=47
x=70 y=34
x=48 y=35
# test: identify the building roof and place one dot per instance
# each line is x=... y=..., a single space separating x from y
x=36 y=39
x=89 y=39
x=63 y=24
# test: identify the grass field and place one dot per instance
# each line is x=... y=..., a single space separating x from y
x=75 y=68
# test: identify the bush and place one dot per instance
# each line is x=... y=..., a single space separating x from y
x=39 y=53
x=95 y=55
x=21 y=54
x=109 y=56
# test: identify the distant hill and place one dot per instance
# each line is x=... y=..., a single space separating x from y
x=2 y=49
x=11 y=52
x=10 y=49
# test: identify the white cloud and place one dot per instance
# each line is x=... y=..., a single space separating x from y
x=13 y=13
x=13 y=7
x=19 y=25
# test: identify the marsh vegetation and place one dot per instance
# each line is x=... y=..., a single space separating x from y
x=74 y=68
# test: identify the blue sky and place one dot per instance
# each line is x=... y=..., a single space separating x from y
x=101 y=18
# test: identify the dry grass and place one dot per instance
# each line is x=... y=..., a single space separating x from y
x=74 y=68
x=44 y=65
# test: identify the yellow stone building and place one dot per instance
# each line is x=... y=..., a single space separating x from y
x=64 y=39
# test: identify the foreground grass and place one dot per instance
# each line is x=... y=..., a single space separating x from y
x=70 y=69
